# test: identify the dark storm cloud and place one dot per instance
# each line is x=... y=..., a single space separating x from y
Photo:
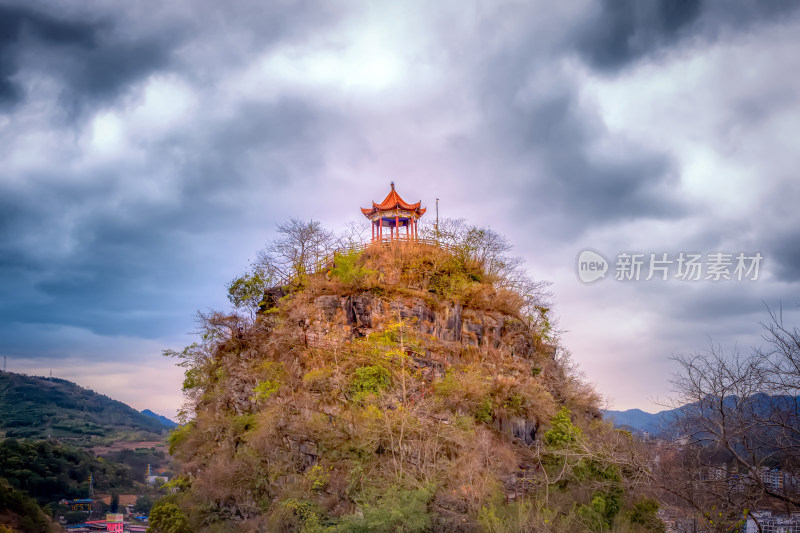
x=113 y=248
x=622 y=32
x=89 y=56
x=783 y=250
x=625 y=30
x=80 y=253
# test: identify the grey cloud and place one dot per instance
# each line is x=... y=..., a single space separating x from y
x=625 y=30
x=549 y=141
x=783 y=252
x=79 y=252
x=89 y=56
x=622 y=32
x=14 y=21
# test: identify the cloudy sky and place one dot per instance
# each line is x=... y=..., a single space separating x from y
x=148 y=149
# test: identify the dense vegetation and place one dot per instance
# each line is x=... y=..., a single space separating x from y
x=49 y=472
x=40 y=408
x=137 y=460
x=19 y=513
x=402 y=388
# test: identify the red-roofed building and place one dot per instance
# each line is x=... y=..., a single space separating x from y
x=393 y=213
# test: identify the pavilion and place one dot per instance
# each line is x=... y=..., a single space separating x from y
x=393 y=213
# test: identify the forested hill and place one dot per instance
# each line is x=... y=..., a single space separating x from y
x=37 y=407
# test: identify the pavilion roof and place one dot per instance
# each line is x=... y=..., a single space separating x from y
x=394 y=201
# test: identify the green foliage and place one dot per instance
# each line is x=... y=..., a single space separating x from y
x=247 y=291
x=604 y=506
x=369 y=380
x=484 y=411
x=49 y=472
x=264 y=390
x=243 y=423
x=506 y=518
x=451 y=280
x=143 y=505
x=319 y=477
x=179 y=435
x=308 y=513
x=273 y=374
x=349 y=268
x=562 y=432
x=166 y=517
x=30 y=517
x=397 y=510
x=645 y=513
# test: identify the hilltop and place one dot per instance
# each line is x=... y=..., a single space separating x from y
x=405 y=387
x=166 y=422
x=38 y=408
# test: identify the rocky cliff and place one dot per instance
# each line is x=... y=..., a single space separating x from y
x=400 y=389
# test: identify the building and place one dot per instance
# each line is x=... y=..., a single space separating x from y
x=393 y=213
x=773 y=478
x=773 y=523
x=114 y=523
x=79 y=505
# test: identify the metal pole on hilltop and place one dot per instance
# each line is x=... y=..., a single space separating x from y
x=437 y=220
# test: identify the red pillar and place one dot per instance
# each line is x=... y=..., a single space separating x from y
x=372 y=226
x=397 y=226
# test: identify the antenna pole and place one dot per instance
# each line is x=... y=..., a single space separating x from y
x=437 y=219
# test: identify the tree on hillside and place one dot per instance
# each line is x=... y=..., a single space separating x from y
x=739 y=419
x=299 y=247
x=490 y=250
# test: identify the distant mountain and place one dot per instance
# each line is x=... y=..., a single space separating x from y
x=38 y=407
x=638 y=420
x=163 y=419
x=658 y=423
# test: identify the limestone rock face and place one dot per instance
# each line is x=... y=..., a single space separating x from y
x=361 y=314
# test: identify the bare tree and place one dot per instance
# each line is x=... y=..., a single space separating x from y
x=491 y=251
x=738 y=419
x=297 y=251
x=354 y=235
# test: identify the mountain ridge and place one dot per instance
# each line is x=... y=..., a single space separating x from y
x=41 y=407
x=161 y=418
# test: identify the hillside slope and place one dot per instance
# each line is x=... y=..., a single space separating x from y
x=38 y=407
x=403 y=389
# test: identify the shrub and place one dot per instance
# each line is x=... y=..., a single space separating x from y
x=264 y=390
x=319 y=477
x=484 y=411
x=349 y=269
x=562 y=432
x=369 y=380
x=396 y=510
x=167 y=517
